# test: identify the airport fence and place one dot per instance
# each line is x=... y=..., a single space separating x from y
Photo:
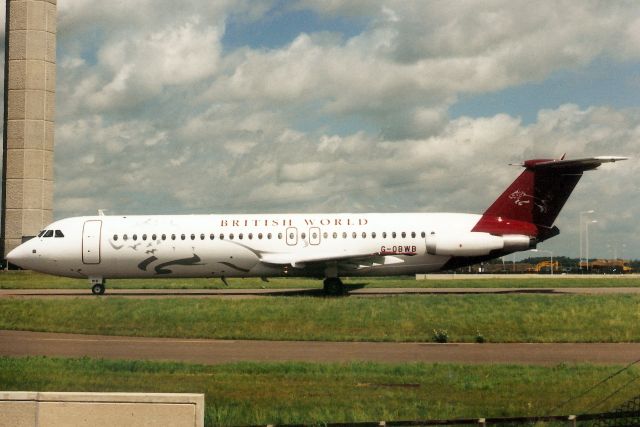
x=628 y=416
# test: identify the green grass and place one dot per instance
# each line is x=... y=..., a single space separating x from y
x=499 y=318
x=33 y=280
x=251 y=393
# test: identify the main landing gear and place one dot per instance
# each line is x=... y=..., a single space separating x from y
x=97 y=285
x=333 y=286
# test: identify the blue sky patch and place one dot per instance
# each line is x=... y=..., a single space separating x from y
x=281 y=25
x=602 y=83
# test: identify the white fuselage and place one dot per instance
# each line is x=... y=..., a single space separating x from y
x=315 y=245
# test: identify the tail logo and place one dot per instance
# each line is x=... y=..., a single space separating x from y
x=521 y=198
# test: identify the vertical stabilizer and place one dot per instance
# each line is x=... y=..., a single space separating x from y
x=531 y=204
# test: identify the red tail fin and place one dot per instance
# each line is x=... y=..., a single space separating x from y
x=533 y=201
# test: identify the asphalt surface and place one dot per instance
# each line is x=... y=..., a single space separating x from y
x=258 y=293
x=21 y=343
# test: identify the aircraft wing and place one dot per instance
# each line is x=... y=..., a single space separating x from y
x=357 y=258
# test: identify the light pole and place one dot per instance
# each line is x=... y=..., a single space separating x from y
x=590 y=211
x=587 y=239
x=550 y=256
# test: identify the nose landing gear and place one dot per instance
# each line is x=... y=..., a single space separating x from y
x=97 y=285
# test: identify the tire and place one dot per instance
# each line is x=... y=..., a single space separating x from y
x=97 y=289
x=333 y=286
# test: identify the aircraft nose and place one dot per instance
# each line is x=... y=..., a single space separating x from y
x=20 y=256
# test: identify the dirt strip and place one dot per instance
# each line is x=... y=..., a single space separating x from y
x=258 y=293
x=22 y=343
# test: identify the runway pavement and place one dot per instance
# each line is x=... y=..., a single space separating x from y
x=259 y=293
x=21 y=343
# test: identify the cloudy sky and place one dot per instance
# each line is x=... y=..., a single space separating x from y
x=346 y=105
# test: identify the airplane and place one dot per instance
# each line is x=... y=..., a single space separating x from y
x=324 y=246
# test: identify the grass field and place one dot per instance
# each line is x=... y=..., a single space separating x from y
x=249 y=393
x=499 y=318
x=32 y=280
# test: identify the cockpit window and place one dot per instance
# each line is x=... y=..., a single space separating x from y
x=58 y=233
x=41 y=233
x=48 y=233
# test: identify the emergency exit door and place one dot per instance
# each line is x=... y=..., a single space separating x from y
x=91 y=241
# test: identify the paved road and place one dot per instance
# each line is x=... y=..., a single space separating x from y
x=258 y=293
x=21 y=343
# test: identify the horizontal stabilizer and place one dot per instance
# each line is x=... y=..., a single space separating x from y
x=571 y=164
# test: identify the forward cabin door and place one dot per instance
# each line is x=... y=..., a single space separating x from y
x=91 y=241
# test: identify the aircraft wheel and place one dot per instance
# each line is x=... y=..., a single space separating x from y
x=333 y=286
x=98 y=289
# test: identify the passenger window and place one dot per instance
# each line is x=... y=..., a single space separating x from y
x=393 y=234
x=240 y=236
x=154 y=237
x=164 y=237
x=384 y=234
x=135 y=237
x=202 y=237
x=413 y=234
x=404 y=234
x=211 y=236
x=58 y=233
x=335 y=235
x=325 y=235
x=250 y=236
x=260 y=236
x=354 y=234
x=125 y=238
x=182 y=236
x=303 y=235
x=144 y=237
x=423 y=234
x=193 y=237
x=315 y=236
x=291 y=236
x=373 y=235
x=115 y=237
x=173 y=237
x=344 y=234
x=231 y=236
x=221 y=236
x=364 y=235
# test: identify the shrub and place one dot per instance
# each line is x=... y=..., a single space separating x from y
x=440 y=335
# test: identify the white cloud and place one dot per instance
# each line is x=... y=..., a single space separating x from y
x=131 y=70
x=418 y=55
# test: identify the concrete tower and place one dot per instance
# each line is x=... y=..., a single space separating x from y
x=29 y=109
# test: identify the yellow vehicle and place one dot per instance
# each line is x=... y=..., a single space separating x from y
x=615 y=266
x=544 y=266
